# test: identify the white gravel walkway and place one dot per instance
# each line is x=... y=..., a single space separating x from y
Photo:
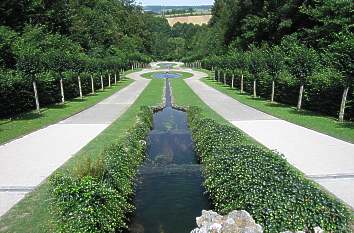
x=27 y=161
x=324 y=159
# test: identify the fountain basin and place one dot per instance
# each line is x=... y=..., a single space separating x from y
x=166 y=75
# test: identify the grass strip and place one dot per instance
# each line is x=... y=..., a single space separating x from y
x=31 y=214
x=312 y=120
x=28 y=122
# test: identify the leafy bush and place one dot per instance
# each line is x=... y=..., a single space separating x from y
x=242 y=175
x=96 y=196
x=16 y=94
x=87 y=205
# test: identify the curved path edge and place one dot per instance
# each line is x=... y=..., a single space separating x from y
x=28 y=161
x=324 y=159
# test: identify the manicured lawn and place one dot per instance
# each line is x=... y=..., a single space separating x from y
x=324 y=124
x=31 y=121
x=31 y=215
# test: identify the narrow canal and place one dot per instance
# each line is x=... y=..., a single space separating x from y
x=169 y=192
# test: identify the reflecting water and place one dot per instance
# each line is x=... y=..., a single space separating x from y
x=166 y=75
x=169 y=193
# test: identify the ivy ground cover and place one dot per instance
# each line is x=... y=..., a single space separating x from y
x=240 y=174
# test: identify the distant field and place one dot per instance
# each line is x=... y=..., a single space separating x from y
x=195 y=19
x=159 y=9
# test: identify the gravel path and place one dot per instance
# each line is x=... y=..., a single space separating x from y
x=28 y=161
x=324 y=159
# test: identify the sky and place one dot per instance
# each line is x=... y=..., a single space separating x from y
x=176 y=2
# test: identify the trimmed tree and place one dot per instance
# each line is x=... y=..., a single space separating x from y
x=302 y=62
x=256 y=66
x=28 y=53
x=240 y=63
x=275 y=64
x=342 y=53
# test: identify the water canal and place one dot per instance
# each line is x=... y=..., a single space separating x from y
x=169 y=193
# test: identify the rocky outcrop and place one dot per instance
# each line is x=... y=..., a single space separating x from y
x=235 y=222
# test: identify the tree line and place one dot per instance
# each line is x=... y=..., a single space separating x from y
x=52 y=44
x=295 y=52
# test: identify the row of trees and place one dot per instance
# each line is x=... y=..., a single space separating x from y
x=297 y=46
x=41 y=41
x=292 y=65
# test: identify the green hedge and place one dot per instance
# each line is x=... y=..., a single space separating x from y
x=242 y=175
x=17 y=95
x=97 y=196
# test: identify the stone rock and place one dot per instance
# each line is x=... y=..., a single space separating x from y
x=318 y=230
x=235 y=222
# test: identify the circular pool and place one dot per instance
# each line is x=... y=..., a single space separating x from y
x=166 y=75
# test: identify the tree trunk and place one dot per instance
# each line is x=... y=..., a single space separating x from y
x=241 y=83
x=224 y=78
x=254 y=89
x=109 y=80
x=92 y=86
x=273 y=90
x=300 y=97
x=36 y=96
x=102 y=88
x=80 y=89
x=343 y=103
x=218 y=75
x=115 y=78
x=232 y=81
x=62 y=90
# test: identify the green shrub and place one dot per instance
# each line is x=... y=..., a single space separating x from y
x=96 y=196
x=89 y=167
x=87 y=205
x=16 y=93
x=241 y=175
